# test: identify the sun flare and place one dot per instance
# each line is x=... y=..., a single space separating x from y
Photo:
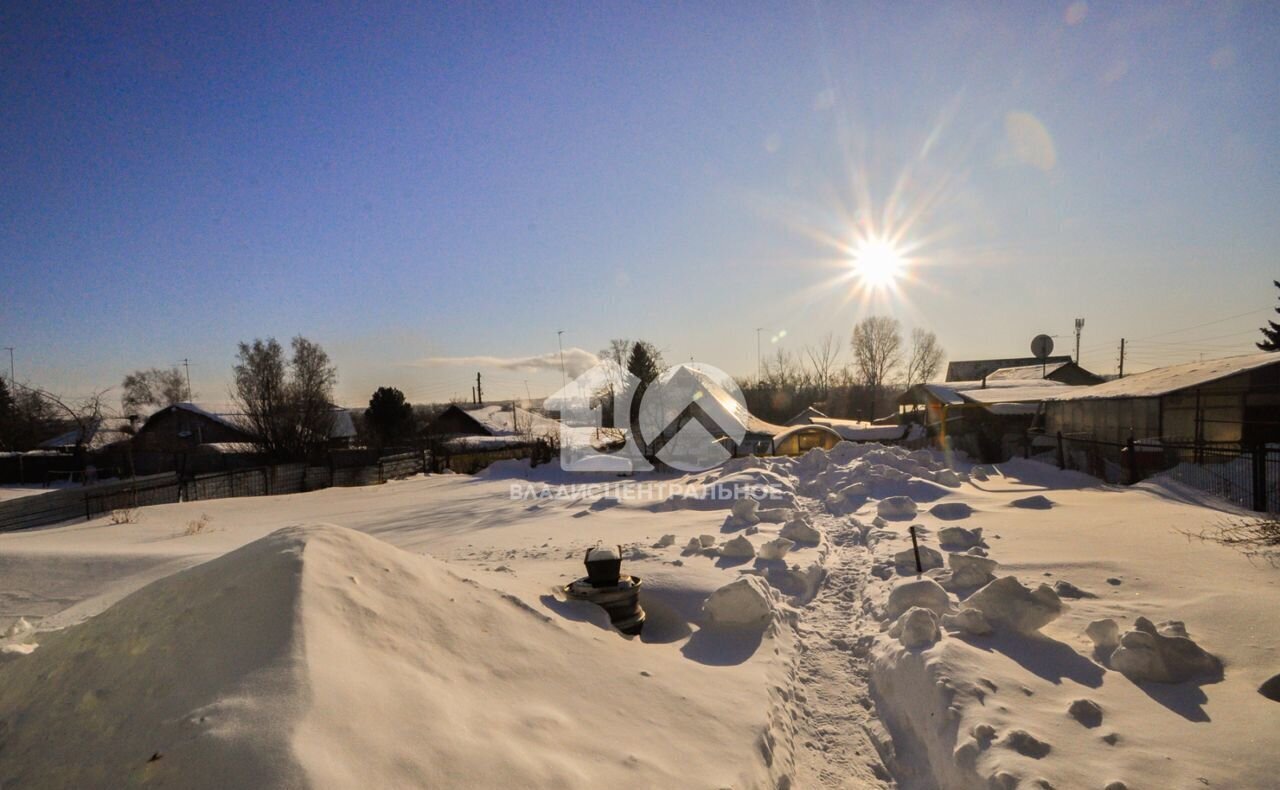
x=877 y=263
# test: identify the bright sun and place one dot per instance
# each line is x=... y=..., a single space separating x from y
x=877 y=263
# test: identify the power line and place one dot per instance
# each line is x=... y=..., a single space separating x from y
x=1207 y=323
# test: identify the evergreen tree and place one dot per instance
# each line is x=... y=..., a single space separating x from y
x=1271 y=332
x=645 y=362
x=389 y=416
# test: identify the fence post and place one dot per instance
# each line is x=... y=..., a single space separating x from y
x=425 y=468
x=1259 y=454
x=266 y=480
x=1133 y=460
x=1062 y=456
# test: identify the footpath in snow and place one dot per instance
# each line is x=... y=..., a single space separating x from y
x=1064 y=634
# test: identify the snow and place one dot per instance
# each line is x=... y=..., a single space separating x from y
x=410 y=634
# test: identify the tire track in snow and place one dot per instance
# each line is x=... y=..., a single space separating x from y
x=839 y=741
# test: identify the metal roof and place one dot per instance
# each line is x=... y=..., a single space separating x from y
x=1166 y=380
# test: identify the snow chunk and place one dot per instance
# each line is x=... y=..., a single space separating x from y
x=1086 y=711
x=929 y=559
x=960 y=538
x=776 y=515
x=800 y=531
x=924 y=593
x=918 y=627
x=1009 y=605
x=775 y=549
x=1025 y=743
x=1036 y=502
x=1169 y=657
x=967 y=620
x=746 y=602
x=968 y=570
x=664 y=541
x=707 y=541
x=951 y=511
x=738 y=548
x=1105 y=635
x=744 y=511
x=896 y=507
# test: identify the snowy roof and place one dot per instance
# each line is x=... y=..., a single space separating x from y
x=102 y=433
x=965 y=370
x=857 y=431
x=955 y=393
x=229 y=415
x=806 y=416
x=496 y=419
x=1025 y=372
x=1162 y=381
x=794 y=429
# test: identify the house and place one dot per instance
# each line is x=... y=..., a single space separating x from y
x=1061 y=372
x=183 y=427
x=492 y=426
x=977 y=369
x=102 y=433
x=1232 y=400
x=186 y=427
x=987 y=419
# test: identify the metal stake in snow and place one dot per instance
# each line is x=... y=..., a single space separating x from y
x=915 y=546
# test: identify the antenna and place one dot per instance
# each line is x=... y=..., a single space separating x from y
x=1079 y=326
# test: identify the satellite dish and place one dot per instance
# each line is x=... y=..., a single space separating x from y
x=1042 y=346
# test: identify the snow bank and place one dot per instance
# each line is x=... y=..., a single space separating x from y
x=320 y=656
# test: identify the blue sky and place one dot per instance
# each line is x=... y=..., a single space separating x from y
x=416 y=184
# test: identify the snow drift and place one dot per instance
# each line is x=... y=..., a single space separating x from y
x=320 y=656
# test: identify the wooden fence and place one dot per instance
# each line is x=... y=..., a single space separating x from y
x=89 y=501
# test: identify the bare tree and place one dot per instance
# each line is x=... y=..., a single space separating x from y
x=877 y=352
x=310 y=394
x=926 y=357
x=288 y=407
x=822 y=358
x=83 y=415
x=781 y=370
x=153 y=387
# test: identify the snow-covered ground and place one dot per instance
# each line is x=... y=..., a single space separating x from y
x=412 y=634
x=19 y=490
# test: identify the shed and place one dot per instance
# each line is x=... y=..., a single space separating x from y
x=800 y=439
x=988 y=420
x=1232 y=400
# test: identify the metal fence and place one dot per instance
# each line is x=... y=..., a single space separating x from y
x=92 y=500
x=1245 y=476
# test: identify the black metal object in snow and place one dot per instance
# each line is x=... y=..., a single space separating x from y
x=915 y=546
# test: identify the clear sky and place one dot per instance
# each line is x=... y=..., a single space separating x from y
x=432 y=189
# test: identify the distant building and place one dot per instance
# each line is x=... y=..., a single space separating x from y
x=1061 y=372
x=491 y=426
x=988 y=419
x=977 y=369
x=186 y=427
x=1233 y=400
x=183 y=427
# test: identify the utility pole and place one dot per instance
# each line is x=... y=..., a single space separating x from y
x=759 y=364
x=12 y=380
x=479 y=391
x=1122 y=357
x=1079 y=326
x=473 y=394
x=186 y=363
x=560 y=342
